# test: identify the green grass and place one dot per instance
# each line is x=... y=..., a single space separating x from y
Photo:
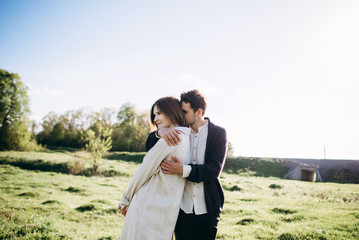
x=44 y=204
x=259 y=167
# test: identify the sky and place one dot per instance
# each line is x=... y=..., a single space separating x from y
x=281 y=76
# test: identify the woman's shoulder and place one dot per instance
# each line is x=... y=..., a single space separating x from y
x=184 y=130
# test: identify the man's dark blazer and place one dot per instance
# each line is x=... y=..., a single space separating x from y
x=208 y=173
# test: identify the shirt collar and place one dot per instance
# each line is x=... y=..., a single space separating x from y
x=200 y=128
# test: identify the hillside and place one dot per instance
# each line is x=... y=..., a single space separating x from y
x=45 y=204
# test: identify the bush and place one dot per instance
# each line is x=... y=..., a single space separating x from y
x=77 y=166
x=283 y=211
x=51 y=202
x=275 y=186
x=245 y=221
x=28 y=194
x=87 y=207
x=74 y=190
x=233 y=188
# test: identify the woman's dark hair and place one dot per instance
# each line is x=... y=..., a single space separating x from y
x=196 y=99
x=171 y=107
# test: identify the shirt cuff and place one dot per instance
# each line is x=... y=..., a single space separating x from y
x=186 y=170
x=124 y=203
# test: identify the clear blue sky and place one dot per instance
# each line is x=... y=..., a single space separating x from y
x=281 y=76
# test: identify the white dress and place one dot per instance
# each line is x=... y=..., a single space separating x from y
x=154 y=198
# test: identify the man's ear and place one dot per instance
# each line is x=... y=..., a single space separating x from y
x=199 y=112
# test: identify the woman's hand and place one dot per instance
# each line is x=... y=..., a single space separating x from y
x=123 y=211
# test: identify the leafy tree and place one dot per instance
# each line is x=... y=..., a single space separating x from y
x=230 y=150
x=63 y=130
x=98 y=145
x=127 y=114
x=14 y=108
x=105 y=117
x=131 y=131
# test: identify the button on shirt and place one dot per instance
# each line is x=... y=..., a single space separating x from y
x=193 y=196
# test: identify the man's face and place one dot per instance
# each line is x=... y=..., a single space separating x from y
x=190 y=115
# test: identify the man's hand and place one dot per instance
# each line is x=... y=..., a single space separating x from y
x=170 y=135
x=169 y=167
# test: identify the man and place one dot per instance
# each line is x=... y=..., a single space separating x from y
x=203 y=196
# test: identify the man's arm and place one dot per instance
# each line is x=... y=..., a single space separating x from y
x=170 y=135
x=152 y=139
x=212 y=167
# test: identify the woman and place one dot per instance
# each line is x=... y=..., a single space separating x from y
x=152 y=201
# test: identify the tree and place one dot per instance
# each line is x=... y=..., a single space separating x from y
x=14 y=108
x=63 y=130
x=230 y=150
x=127 y=114
x=131 y=131
x=98 y=145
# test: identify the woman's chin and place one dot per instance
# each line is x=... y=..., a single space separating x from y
x=163 y=126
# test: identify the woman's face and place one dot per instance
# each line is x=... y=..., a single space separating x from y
x=161 y=120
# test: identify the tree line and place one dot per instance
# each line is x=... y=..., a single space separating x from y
x=129 y=129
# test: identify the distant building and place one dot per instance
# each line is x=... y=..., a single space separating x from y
x=305 y=172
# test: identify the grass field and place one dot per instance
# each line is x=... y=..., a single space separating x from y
x=43 y=202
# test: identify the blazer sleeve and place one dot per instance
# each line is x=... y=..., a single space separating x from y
x=149 y=167
x=215 y=156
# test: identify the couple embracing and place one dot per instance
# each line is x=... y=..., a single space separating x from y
x=176 y=189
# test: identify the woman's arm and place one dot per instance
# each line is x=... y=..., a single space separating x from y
x=146 y=170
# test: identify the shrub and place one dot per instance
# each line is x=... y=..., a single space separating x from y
x=74 y=190
x=283 y=211
x=245 y=221
x=87 y=207
x=51 y=202
x=77 y=166
x=275 y=186
x=294 y=219
x=28 y=194
x=233 y=188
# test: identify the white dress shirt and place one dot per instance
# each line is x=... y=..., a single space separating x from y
x=193 y=196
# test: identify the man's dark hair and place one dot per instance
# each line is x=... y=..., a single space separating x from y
x=171 y=107
x=196 y=99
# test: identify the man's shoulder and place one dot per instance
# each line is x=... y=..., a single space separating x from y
x=214 y=126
